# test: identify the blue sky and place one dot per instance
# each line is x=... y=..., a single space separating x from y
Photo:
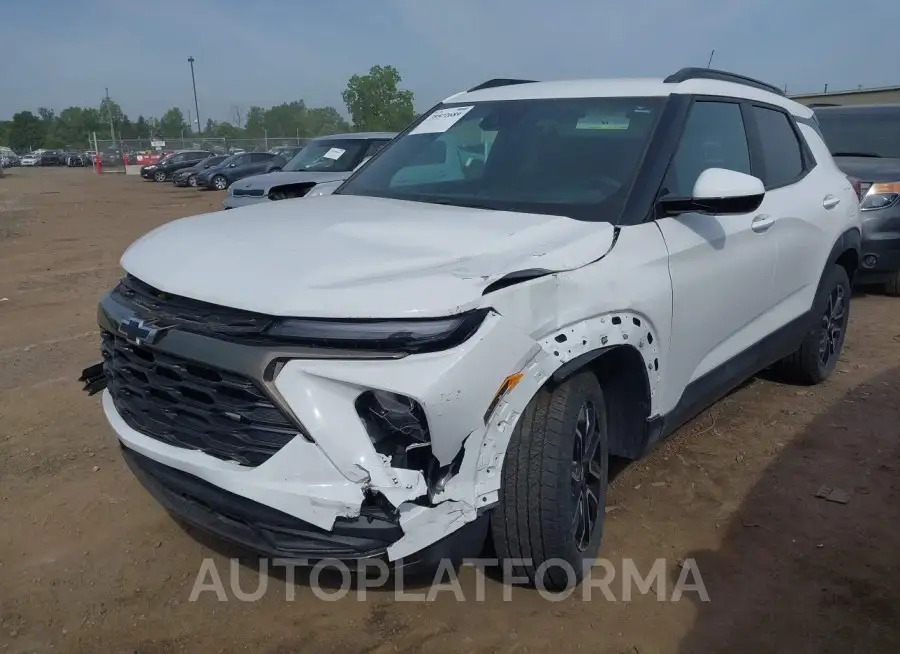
x=65 y=52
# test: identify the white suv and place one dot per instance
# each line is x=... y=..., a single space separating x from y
x=531 y=278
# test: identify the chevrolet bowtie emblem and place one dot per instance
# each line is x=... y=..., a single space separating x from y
x=141 y=332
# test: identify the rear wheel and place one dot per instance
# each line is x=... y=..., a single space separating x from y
x=553 y=485
x=159 y=176
x=818 y=355
x=219 y=182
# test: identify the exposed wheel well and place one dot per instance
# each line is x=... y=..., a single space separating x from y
x=849 y=261
x=626 y=390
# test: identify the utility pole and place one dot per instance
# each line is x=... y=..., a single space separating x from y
x=194 y=83
x=711 y=54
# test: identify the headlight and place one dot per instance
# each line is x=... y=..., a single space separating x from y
x=150 y=167
x=412 y=336
x=880 y=196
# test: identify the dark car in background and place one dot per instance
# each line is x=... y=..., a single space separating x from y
x=75 y=160
x=865 y=143
x=51 y=158
x=168 y=166
x=188 y=176
x=239 y=166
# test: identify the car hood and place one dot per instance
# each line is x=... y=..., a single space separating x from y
x=270 y=180
x=343 y=256
x=870 y=169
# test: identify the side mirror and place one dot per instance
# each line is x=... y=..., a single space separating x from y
x=232 y=165
x=718 y=191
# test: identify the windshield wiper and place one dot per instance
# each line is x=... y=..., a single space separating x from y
x=873 y=155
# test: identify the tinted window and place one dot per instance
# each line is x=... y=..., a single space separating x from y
x=714 y=137
x=375 y=146
x=781 y=153
x=256 y=157
x=862 y=131
x=573 y=157
x=240 y=160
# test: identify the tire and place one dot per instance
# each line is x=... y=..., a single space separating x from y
x=541 y=487
x=159 y=176
x=892 y=287
x=219 y=183
x=192 y=181
x=817 y=356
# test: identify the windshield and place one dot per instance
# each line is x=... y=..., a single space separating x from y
x=861 y=132
x=331 y=155
x=214 y=161
x=569 y=157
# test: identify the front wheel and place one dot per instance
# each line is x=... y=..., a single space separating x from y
x=818 y=354
x=552 y=501
x=159 y=176
x=192 y=181
x=219 y=183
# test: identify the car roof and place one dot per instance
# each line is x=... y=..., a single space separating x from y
x=353 y=136
x=627 y=87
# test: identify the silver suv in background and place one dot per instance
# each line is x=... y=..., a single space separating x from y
x=324 y=160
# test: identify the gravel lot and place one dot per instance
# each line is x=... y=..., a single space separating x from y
x=89 y=563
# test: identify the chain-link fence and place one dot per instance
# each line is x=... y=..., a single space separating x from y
x=115 y=154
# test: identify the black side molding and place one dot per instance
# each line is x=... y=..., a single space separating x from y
x=94 y=379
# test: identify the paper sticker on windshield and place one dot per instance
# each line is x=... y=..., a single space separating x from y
x=441 y=120
x=334 y=153
x=603 y=122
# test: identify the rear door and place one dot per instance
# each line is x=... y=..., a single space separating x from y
x=721 y=266
x=805 y=203
x=259 y=161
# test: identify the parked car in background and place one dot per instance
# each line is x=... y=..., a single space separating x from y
x=76 y=160
x=168 y=166
x=52 y=158
x=238 y=167
x=865 y=143
x=30 y=160
x=325 y=159
x=8 y=158
x=188 y=176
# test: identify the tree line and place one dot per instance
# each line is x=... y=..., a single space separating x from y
x=374 y=101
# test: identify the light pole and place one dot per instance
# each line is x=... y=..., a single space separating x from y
x=194 y=83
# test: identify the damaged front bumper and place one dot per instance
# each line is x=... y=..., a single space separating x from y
x=327 y=491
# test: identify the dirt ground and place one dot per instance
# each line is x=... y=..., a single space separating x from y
x=90 y=563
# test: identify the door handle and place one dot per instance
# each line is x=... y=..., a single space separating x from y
x=761 y=223
x=830 y=202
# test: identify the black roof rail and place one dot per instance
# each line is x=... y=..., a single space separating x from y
x=494 y=83
x=823 y=104
x=722 y=76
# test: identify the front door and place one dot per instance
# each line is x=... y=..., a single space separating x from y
x=721 y=266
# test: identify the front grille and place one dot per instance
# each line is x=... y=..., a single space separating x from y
x=185 y=313
x=249 y=192
x=192 y=405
